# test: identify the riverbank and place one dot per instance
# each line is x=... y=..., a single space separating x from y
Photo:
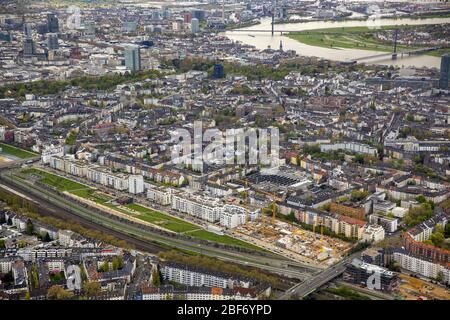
x=361 y=38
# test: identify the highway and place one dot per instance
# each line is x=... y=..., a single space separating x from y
x=55 y=205
x=310 y=285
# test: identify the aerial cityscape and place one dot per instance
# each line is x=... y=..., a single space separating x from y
x=224 y=150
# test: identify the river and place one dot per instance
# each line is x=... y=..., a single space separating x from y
x=262 y=40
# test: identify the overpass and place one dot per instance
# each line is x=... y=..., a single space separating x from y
x=312 y=284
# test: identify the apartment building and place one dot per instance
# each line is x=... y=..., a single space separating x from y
x=389 y=224
x=199 y=277
x=159 y=194
x=232 y=216
x=201 y=207
x=421 y=265
x=373 y=233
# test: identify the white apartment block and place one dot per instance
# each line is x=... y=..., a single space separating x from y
x=160 y=194
x=136 y=184
x=425 y=268
x=192 y=278
x=389 y=224
x=349 y=146
x=233 y=216
x=55 y=265
x=373 y=233
x=200 y=207
x=6 y=265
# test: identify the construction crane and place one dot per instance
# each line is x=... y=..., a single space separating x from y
x=246 y=201
x=274 y=207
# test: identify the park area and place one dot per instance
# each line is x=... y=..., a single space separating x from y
x=140 y=212
x=58 y=182
x=361 y=38
x=8 y=151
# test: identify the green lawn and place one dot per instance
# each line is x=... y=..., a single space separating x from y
x=178 y=225
x=161 y=219
x=146 y=214
x=93 y=195
x=60 y=183
x=361 y=38
x=16 y=152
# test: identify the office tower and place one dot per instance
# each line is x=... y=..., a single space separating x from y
x=167 y=14
x=133 y=58
x=195 y=25
x=199 y=14
x=445 y=72
x=52 y=41
x=42 y=28
x=156 y=15
x=29 y=48
x=27 y=31
x=52 y=23
x=187 y=17
x=219 y=72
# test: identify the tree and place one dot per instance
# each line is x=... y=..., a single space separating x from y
x=29 y=229
x=57 y=292
x=440 y=276
x=156 y=278
x=104 y=266
x=92 y=289
x=46 y=237
x=27 y=296
x=117 y=263
x=2 y=244
x=437 y=238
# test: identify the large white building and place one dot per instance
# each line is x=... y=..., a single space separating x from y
x=136 y=184
x=200 y=207
x=349 y=146
x=197 y=277
x=425 y=268
x=389 y=224
x=373 y=233
x=159 y=194
x=232 y=216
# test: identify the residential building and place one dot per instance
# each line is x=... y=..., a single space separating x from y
x=132 y=55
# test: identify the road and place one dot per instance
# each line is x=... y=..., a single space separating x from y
x=55 y=205
x=310 y=285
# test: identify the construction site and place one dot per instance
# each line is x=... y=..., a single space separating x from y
x=412 y=288
x=289 y=240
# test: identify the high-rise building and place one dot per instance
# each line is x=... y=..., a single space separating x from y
x=219 y=72
x=156 y=15
x=187 y=17
x=132 y=56
x=42 y=28
x=195 y=25
x=52 y=41
x=136 y=184
x=29 y=48
x=445 y=72
x=52 y=23
x=199 y=14
x=27 y=31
